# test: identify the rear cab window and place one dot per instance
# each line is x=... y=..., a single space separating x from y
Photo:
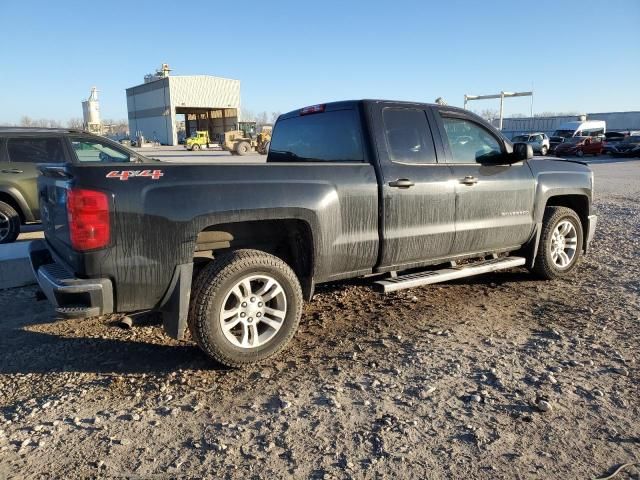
x=319 y=136
x=94 y=150
x=35 y=150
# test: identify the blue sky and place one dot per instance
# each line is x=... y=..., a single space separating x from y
x=578 y=55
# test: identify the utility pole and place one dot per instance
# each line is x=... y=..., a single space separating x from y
x=502 y=95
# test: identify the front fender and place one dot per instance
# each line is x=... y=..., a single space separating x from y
x=556 y=178
x=561 y=182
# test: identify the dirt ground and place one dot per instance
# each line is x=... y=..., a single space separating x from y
x=500 y=376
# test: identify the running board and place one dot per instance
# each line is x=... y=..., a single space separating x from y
x=418 y=279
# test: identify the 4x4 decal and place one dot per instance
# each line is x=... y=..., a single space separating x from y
x=126 y=174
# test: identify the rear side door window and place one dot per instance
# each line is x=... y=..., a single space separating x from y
x=469 y=142
x=408 y=136
x=35 y=150
x=94 y=150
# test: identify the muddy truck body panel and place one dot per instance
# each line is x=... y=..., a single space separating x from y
x=348 y=189
x=155 y=224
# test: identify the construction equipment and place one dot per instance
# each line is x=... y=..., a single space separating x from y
x=198 y=141
x=244 y=142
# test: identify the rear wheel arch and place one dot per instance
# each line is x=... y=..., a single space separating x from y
x=291 y=240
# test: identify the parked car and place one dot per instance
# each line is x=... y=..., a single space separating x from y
x=579 y=146
x=629 y=147
x=230 y=251
x=538 y=141
x=611 y=140
x=588 y=128
x=22 y=149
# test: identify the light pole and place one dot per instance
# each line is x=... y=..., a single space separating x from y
x=502 y=95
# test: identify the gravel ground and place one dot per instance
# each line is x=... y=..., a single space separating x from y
x=500 y=376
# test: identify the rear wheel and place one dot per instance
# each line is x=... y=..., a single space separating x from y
x=243 y=148
x=580 y=153
x=195 y=147
x=560 y=243
x=246 y=307
x=9 y=223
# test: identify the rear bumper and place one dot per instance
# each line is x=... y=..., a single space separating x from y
x=71 y=296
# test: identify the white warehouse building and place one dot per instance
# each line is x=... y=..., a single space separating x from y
x=616 y=121
x=207 y=102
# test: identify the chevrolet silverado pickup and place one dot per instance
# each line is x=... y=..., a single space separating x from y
x=407 y=194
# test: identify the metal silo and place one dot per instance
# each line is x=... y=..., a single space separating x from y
x=91 y=112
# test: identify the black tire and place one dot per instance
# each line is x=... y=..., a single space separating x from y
x=243 y=148
x=544 y=265
x=211 y=287
x=195 y=147
x=9 y=223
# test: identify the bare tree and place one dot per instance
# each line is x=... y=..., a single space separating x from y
x=247 y=115
x=26 y=121
x=75 y=123
x=488 y=114
x=557 y=114
x=262 y=118
x=274 y=116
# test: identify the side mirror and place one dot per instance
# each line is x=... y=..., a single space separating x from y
x=521 y=151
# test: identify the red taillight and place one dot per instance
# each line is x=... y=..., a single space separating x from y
x=88 y=213
x=312 y=109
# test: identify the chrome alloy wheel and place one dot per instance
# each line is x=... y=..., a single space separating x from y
x=253 y=311
x=5 y=225
x=564 y=242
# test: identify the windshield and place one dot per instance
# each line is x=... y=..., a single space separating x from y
x=614 y=136
x=521 y=138
x=564 y=133
x=91 y=149
x=575 y=140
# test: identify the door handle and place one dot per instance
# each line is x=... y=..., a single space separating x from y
x=469 y=180
x=12 y=170
x=402 y=183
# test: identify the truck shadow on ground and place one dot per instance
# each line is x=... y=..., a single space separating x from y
x=39 y=343
x=51 y=353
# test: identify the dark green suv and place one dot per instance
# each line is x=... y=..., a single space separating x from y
x=22 y=149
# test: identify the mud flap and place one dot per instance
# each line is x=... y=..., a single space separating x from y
x=174 y=307
x=535 y=245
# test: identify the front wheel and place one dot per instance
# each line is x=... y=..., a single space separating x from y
x=243 y=148
x=196 y=147
x=245 y=307
x=580 y=153
x=560 y=243
x=9 y=223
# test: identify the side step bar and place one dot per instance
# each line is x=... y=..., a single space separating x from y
x=418 y=279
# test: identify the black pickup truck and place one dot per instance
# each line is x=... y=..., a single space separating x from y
x=408 y=193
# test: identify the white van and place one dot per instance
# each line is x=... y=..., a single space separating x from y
x=587 y=128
